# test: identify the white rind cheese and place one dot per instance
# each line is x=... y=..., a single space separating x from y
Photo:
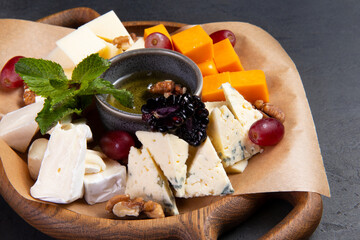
x=242 y=109
x=146 y=180
x=170 y=153
x=94 y=162
x=206 y=174
x=18 y=127
x=101 y=186
x=61 y=175
x=35 y=156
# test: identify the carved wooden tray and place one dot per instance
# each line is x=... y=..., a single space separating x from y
x=204 y=223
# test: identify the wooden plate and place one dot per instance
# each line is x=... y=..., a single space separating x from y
x=204 y=223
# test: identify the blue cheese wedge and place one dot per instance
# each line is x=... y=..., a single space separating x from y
x=206 y=174
x=62 y=170
x=170 y=153
x=238 y=167
x=211 y=105
x=146 y=180
x=242 y=109
x=109 y=182
x=227 y=136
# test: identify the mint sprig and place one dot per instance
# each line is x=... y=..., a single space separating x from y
x=67 y=96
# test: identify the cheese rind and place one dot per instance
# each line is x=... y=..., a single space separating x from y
x=170 y=153
x=62 y=170
x=18 y=127
x=206 y=174
x=146 y=180
x=35 y=156
x=101 y=186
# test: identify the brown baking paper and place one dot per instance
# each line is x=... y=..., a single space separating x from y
x=295 y=164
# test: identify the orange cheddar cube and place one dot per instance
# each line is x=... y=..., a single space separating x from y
x=194 y=43
x=225 y=57
x=251 y=84
x=211 y=87
x=208 y=68
x=158 y=28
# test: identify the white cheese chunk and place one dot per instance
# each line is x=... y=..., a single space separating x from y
x=206 y=174
x=94 y=162
x=108 y=26
x=238 y=167
x=101 y=186
x=211 y=105
x=140 y=43
x=229 y=138
x=57 y=55
x=146 y=180
x=242 y=109
x=62 y=170
x=79 y=44
x=110 y=51
x=170 y=153
x=35 y=156
x=18 y=127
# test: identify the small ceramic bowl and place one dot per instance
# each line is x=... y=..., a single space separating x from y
x=162 y=60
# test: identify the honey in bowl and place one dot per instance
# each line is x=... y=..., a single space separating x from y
x=139 y=84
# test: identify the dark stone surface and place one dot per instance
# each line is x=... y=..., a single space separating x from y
x=322 y=38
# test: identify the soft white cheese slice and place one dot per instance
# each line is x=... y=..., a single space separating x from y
x=35 y=156
x=94 y=162
x=18 y=127
x=206 y=174
x=242 y=109
x=61 y=176
x=146 y=180
x=229 y=138
x=79 y=44
x=170 y=153
x=140 y=43
x=101 y=186
x=108 y=26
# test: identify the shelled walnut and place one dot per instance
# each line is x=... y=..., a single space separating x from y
x=270 y=110
x=28 y=96
x=123 y=205
x=167 y=88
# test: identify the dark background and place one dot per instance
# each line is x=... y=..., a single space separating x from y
x=322 y=38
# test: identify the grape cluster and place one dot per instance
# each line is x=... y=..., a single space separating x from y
x=182 y=115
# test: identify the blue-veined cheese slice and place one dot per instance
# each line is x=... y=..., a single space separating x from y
x=206 y=175
x=238 y=167
x=229 y=138
x=146 y=180
x=170 y=153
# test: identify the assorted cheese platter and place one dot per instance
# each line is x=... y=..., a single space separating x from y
x=163 y=156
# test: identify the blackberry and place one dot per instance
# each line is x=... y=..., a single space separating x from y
x=182 y=115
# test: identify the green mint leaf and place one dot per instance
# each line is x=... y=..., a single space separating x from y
x=48 y=118
x=37 y=74
x=101 y=86
x=89 y=69
x=59 y=83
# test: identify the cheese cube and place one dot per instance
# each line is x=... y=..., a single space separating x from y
x=211 y=87
x=250 y=84
x=94 y=162
x=110 y=51
x=57 y=55
x=225 y=57
x=107 y=26
x=35 y=156
x=194 y=43
x=146 y=180
x=80 y=44
x=62 y=170
x=208 y=68
x=101 y=186
x=18 y=127
x=170 y=153
x=206 y=174
x=242 y=109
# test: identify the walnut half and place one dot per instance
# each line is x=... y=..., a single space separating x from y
x=270 y=110
x=123 y=205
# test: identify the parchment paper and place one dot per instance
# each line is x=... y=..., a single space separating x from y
x=295 y=164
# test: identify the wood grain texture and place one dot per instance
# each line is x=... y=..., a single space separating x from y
x=205 y=223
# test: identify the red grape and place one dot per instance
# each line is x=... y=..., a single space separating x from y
x=266 y=132
x=116 y=145
x=157 y=40
x=9 y=78
x=222 y=34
